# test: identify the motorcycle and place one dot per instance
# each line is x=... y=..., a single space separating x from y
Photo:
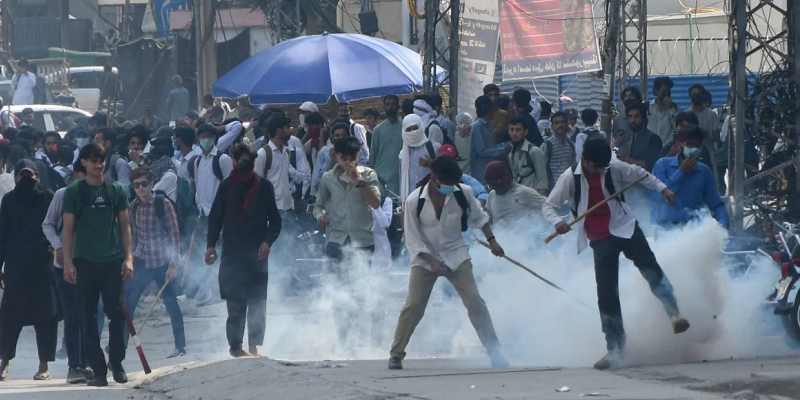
x=785 y=298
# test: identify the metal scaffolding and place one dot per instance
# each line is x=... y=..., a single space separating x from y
x=633 y=46
x=441 y=54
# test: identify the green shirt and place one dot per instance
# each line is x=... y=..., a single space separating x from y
x=96 y=208
x=387 y=141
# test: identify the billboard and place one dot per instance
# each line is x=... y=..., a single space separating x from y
x=543 y=38
x=480 y=20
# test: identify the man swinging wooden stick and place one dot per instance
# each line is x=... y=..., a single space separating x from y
x=611 y=229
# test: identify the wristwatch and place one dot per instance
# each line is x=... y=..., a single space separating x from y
x=490 y=239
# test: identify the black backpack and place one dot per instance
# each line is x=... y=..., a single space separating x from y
x=445 y=137
x=460 y=199
x=184 y=204
x=609 y=184
x=194 y=163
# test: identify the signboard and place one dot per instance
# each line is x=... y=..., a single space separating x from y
x=542 y=38
x=161 y=11
x=480 y=20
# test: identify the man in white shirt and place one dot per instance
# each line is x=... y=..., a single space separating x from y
x=24 y=82
x=185 y=150
x=357 y=130
x=436 y=215
x=611 y=229
x=509 y=201
x=272 y=162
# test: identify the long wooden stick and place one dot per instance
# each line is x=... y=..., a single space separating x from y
x=596 y=206
x=153 y=306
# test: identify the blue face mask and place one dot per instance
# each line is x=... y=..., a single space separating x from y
x=446 y=189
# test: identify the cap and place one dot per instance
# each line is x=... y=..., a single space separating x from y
x=448 y=150
x=309 y=107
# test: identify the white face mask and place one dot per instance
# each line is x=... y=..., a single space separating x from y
x=690 y=152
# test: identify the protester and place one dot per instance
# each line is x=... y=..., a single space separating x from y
x=178 y=99
x=611 y=229
x=436 y=216
x=116 y=169
x=544 y=124
x=49 y=153
x=483 y=145
x=663 y=111
x=97 y=240
x=137 y=139
x=508 y=200
x=371 y=117
x=24 y=84
x=273 y=162
x=325 y=158
x=640 y=146
x=445 y=124
x=74 y=337
x=429 y=124
x=27 y=276
x=316 y=137
x=491 y=91
x=463 y=140
x=156 y=239
x=356 y=130
x=387 y=142
x=527 y=162
x=559 y=150
x=692 y=182
x=478 y=189
x=521 y=107
x=305 y=109
x=186 y=150
x=631 y=97
x=26 y=117
x=572 y=123
x=589 y=118
x=245 y=215
x=709 y=122
x=418 y=151
x=7 y=119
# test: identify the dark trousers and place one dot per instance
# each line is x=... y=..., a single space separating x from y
x=104 y=281
x=46 y=339
x=606 y=267
x=74 y=322
x=254 y=312
x=135 y=288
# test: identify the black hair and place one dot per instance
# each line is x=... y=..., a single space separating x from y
x=241 y=149
x=589 y=117
x=490 y=88
x=315 y=118
x=559 y=114
x=632 y=89
x=518 y=120
x=92 y=151
x=686 y=116
x=597 y=150
x=391 y=96
x=276 y=122
x=206 y=128
x=483 y=106
x=77 y=167
x=66 y=152
x=99 y=119
x=446 y=170
x=522 y=98
x=435 y=101
x=637 y=107
x=139 y=134
x=108 y=134
x=185 y=134
x=696 y=86
x=694 y=132
x=349 y=146
x=52 y=134
x=407 y=106
x=662 y=81
x=503 y=102
x=140 y=130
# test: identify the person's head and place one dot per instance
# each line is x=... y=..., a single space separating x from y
x=26 y=176
x=346 y=151
x=637 y=116
x=498 y=177
x=78 y=170
x=692 y=141
x=278 y=129
x=413 y=131
x=343 y=112
x=517 y=130
x=314 y=121
x=243 y=157
x=207 y=137
x=391 y=105
x=162 y=144
x=372 y=116
x=184 y=138
x=97 y=121
x=51 y=143
x=572 y=117
x=546 y=109
x=491 y=91
x=177 y=81
x=558 y=123
x=142 y=182
x=448 y=150
x=340 y=130
x=697 y=94
x=138 y=139
x=685 y=119
x=589 y=117
x=445 y=174
x=464 y=123
x=24 y=66
x=93 y=158
x=422 y=108
x=662 y=87
x=596 y=156
x=631 y=94
x=407 y=107
x=435 y=100
x=707 y=99
x=27 y=116
x=503 y=102
x=484 y=107
x=192 y=119
x=66 y=153
x=105 y=137
x=521 y=101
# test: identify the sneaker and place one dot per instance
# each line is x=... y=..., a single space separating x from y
x=99 y=381
x=395 y=363
x=87 y=372
x=239 y=353
x=119 y=373
x=680 y=325
x=611 y=360
x=76 y=375
x=177 y=353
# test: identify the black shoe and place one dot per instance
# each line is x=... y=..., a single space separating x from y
x=395 y=362
x=98 y=381
x=680 y=325
x=75 y=376
x=119 y=373
x=612 y=360
x=177 y=353
x=87 y=372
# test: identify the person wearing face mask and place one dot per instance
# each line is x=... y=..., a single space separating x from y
x=436 y=216
x=611 y=229
x=245 y=215
x=387 y=141
x=693 y=184
x=417 y=153
x=509 y=201
x=708 y=121
x=27 y=275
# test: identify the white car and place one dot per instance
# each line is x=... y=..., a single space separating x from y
x=84 y=86
x=52 y=117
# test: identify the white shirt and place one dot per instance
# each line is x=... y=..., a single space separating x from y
x=23 y=88
x=232 y=131
x=519 y=202
x=278 y=174
x=623 y=222
x=381 y=219
x=182 y=162
x=303 y=169
x=360 y=132
x=54 y=222
x=168 y=184
x=206 y=183
x=441 y=238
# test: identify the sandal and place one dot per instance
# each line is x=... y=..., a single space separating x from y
x=41 y=376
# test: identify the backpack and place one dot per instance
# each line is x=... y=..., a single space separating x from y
x=445 y=138
x=528 y=164
x=609 y=184
x=460 y=199
x=268 y=154
x=159 y=198
x=184 y=204
x=431 y=150
x=194 y=163
x=111 y=166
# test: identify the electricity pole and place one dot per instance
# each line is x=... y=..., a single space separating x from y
x=610 y=63
x=205 y=46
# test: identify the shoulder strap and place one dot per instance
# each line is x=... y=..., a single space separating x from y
x=431 y=150
x=428 y=128
x=609 y=183
x=216 y=167
x=113 y=166
x=194 y=162
x=421 y=200
x=462 y=202
x=268 y=159
x=577 y=192
x=293 y=156
x=529 y=164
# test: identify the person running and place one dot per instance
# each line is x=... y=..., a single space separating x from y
x=610 y=230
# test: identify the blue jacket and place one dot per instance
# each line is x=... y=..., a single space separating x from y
x=477 y=188
x=483 y=148
x=693 y=190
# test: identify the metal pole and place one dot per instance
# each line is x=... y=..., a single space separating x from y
x=405 y=20
x=455 y=48
x=610 y=66
x=429 y=55
x=740 y=110
x=206 y=47
x=643 y=72
x=794 y=47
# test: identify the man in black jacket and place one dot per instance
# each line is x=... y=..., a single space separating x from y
x=29 y=280
x=244 y=210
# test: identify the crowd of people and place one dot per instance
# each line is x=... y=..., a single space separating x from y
x=90 y=220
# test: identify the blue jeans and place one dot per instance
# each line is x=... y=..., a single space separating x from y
x=73 y=321
x=135 y=288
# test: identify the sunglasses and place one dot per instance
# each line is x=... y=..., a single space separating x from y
x=140 y=184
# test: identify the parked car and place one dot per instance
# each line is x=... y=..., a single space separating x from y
x=85 y=84
x=51 y=117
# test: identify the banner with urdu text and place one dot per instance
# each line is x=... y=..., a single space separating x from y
x=480 y=20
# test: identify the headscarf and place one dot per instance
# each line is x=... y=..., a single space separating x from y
x=415 y=138
x=424 y=111
x=309 y=107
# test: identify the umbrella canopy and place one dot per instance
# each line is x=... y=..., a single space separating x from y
x=313 y=68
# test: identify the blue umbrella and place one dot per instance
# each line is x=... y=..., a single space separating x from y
x=313 y=68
